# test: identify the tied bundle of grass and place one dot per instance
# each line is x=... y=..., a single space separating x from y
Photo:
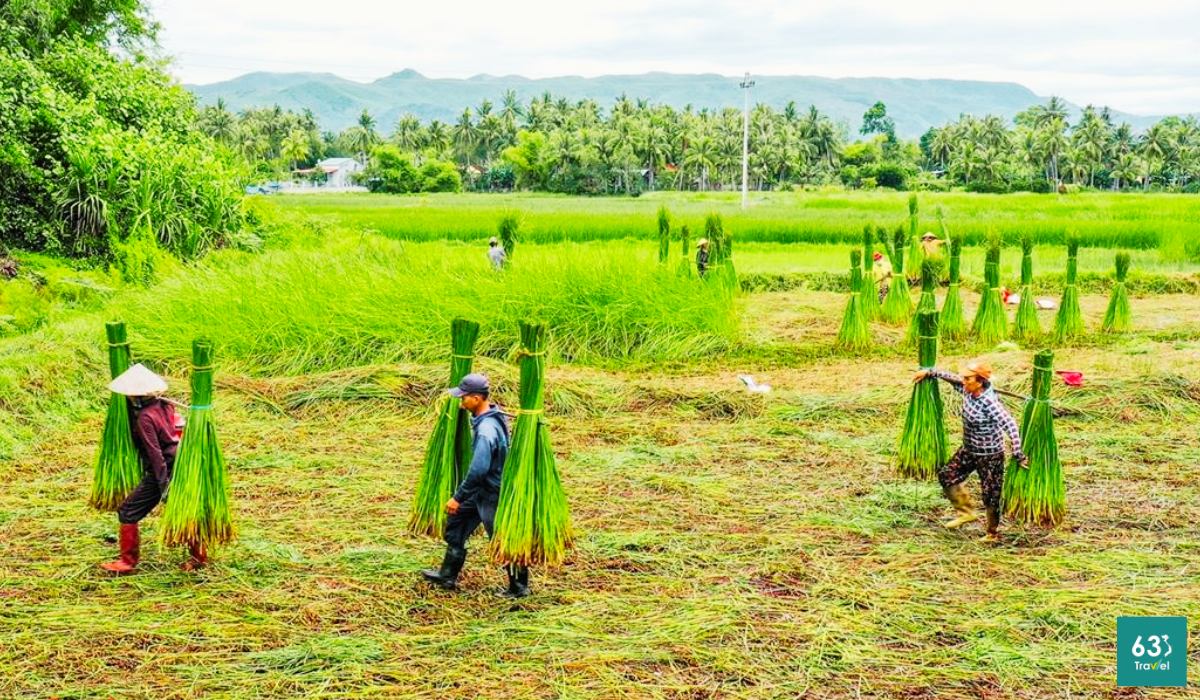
x=869 y=291
x=117 y=469
x=991 y=324
x=927 y=303
x=1026 y=328
x=664 y=234
x=509 y=228
x=197 y=510
x=533 y=521
x=448 y=454
x=1068 y=324
x=1117 y=316
x=854 y=335
x=953 y=322
x=923 y=444
x=898 y=305
x=1037 y=494
x=916 y=254
x=719 y=244
x=685 y=265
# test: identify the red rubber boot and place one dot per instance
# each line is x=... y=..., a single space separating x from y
x=130 y=548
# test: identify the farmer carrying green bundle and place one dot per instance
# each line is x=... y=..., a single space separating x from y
x=702 y=256
x=985 y=423
x=156 y=437
x=478 y=495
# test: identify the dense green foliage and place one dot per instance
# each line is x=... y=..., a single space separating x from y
x=99 y=150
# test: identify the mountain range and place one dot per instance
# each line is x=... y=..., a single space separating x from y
x=914 y=105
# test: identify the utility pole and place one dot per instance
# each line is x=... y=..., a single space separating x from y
x=747 y=83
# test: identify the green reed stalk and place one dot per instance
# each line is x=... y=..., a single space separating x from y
x=898 y=305
x=448 y=454
x=953 y=321
x=197 y=510
x=1117 y=318
x=1037 y=494
x=869 y=291
x=664 y=234
x=509 y=228
x=916 y=254
x=533 y=521
x=991 y=324
x=685 y=264
x=926 y=303
x=1026 y=327
x=117 y=468
x=854 y=334
x=923 y=443
x=1068 y=323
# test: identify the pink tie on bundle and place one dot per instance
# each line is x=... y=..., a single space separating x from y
x=1071 y=378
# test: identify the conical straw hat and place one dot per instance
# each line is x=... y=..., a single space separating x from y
x=138 y=381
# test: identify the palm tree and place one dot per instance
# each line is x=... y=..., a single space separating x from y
x=295 y=147
x=464 y=136
x=408 y=133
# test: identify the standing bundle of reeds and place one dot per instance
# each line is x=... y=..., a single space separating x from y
x=1117 y=317
x=991 y=324
x=898 y=305
x=916 y=254
x=509 y=228
x=953 y=321
x=854 y=335
x=448 y=454
x=869 y=291
x=1037 y=494
x=197 y=510
x=685 y=264
x=714 y=231
x=923 y=444
x=1068 y=324
x=1026 y=328
x=533 y=521
x=664 y=234
x=927 y=303
x=117 y=469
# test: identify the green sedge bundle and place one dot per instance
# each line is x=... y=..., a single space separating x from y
x=923 y=444
x=720 y=247
x=916 y=253
x=991 y=324
x=685 y=265
x=508 y=228
x=953 y=321
x=533 y=521
x=854 y=335
x=197 y=510
x=664 y=234
x=117 y=469
x=927 y=303
x=448 y=454
x=898 y=306
x=1068 y=324
x=1117 y=317
x=1026 y=328
x=1037 y=494
x=869 y=291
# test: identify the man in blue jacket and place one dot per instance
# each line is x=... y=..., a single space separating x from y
x=478 y=495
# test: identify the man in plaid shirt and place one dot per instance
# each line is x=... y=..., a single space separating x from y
x=985 y=424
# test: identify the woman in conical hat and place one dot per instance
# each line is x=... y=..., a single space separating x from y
x=156 y=440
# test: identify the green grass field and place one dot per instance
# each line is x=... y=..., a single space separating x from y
x=731 y=545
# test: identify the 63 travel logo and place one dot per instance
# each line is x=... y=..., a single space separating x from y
x=1152 y=651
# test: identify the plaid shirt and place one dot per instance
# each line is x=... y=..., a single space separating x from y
x=985 y=420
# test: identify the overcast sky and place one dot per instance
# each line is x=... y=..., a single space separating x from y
x=1142 y=58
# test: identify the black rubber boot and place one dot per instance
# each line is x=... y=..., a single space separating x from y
x=447 y=576
x=518 y=582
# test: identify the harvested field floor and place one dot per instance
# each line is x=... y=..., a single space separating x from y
x=730 y=545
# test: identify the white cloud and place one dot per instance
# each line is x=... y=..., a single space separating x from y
x=1142 y=59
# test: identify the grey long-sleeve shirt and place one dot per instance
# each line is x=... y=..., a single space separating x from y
x=489 y=449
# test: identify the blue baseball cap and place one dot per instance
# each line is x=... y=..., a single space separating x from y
x=471 y=384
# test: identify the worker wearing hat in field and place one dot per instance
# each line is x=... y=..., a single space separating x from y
x=702 y=256
x=496 y=253
x=933 y=250
x=478 y=495
x=156 y=439
x=985 y=424
x=883 y=275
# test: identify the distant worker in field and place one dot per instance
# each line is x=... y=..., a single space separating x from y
x=985 y=424
x=156 y=436
x=883 y=275
x=478 y=495
x=702 y=256
x=496 y=253
x=933 y=250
